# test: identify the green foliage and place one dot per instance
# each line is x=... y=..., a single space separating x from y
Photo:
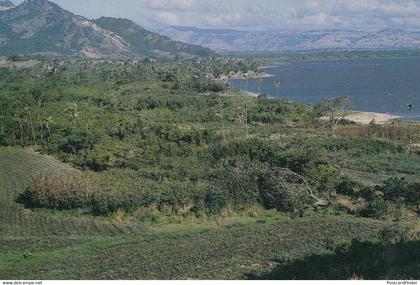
x=401 y=191
x=394 y=233
x=164 y=125
x=324 y=178
x=360 y=261
x=348 y=187
x=284 y=190
x=375 y=208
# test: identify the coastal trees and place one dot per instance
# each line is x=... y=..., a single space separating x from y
x=334 y=109
x=410 y=109
x=277 y=84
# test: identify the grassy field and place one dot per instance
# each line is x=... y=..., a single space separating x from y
x=38 y=244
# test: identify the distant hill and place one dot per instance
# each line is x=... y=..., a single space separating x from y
x=241 y=41
x=42 y=27
x=148 y=43
x=5 y=5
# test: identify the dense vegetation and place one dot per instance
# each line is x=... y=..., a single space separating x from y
x=163 y=142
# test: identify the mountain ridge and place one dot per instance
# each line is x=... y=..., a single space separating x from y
x=43 y=27
x=5 y=5
x=229 y=40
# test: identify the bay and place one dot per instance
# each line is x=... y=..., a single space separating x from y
x=373 y=85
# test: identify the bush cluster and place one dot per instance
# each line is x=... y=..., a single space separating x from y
x=278 y=188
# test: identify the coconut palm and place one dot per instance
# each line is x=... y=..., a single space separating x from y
x=277 y=84
x=72 y=113
x=260 y=81
x=20 y=116
x=2 y=124
x=28 y=112
x=411 y=108
x=45 y=123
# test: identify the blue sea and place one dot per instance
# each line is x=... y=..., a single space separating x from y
x=373 y=85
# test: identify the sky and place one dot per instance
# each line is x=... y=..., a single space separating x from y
x=256 y=14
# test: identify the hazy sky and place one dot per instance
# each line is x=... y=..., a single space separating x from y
x=256 y=14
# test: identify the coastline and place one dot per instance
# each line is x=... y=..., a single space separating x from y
x=365 y=118
x=358 y=117
x=246 y=75
x=250 y=94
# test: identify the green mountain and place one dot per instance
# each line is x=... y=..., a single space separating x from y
x=42 y=27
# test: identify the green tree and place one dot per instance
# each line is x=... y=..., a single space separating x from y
x=334 y=109
x=277 y=84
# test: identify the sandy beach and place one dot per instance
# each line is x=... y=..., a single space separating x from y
x=251 y=94
x=365 y=118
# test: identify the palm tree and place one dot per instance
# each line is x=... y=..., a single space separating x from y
x=277 y=84
x=221 y=115
x=2 y=125
x=246 y=121
x=243 y=117
x=72 y=113
x=45 y=122
x=28 y=111
x=260 y=80
x=19 y=116
x=411 y=108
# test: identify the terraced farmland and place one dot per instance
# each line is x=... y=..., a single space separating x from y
x=16 y=167
x=45 y=245
x=223 y=253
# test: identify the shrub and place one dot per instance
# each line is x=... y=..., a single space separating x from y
x=376 y=208
x=400 y=190
x=394 y=233
x=68 y=190
x=239 y=183
x=348 y=186
x=216 y=200
x=283 y=190
x=83 y=190
x=367 y=193
x=324 y=178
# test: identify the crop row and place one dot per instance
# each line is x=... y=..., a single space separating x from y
x=16 y=167
x=227 y=253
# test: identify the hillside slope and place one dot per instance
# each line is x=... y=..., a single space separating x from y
x=147 y=43
x=42 y=27
x=5 y=5
x=17 y=166
x=241 y=41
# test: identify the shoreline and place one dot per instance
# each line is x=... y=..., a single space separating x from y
x=250 y=94
x=358 y=117
x=244 y=76
x=365 y=118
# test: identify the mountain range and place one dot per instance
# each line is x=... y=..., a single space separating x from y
x=258 y=41
x=42 y=27
x=5 y=4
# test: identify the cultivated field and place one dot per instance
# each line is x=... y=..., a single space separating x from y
x=37 y=244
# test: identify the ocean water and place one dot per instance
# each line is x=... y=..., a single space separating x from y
x=374 y=85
